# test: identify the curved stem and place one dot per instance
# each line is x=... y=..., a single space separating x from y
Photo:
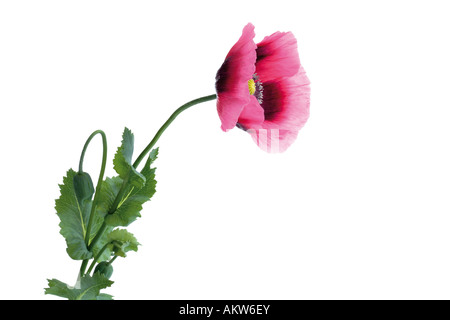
x=97 y=190
x=88 y=141
x=100 y=178
x=167 y=124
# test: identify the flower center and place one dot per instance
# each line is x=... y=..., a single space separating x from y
x=255 y=88
x=251 y=86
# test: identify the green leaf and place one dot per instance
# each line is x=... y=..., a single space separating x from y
x=131 y=206
x=110 y=189
x=74 y=217
x=123 y=161
x=152 y=156
x=122 y=241
x=108 y=194
x=149 y=189
x=88 y=288
x=104 y=296
x=106 y=255
x=127 y=213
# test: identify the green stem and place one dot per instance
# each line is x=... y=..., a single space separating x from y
x=97 y=236
x=111 y=261
x=167 y=124
x=83 y=267
x=96 y=258
x=88 y=141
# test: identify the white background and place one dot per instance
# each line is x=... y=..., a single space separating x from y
x=357 y=208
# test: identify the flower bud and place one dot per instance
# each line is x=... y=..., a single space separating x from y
x=83 y=186
x=105 y=269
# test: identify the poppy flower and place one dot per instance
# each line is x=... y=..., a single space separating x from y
x=263 y=89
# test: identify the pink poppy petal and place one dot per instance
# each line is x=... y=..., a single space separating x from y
x=232 y=79
x=286 y=102
x=286 y=109
x=229 y=108
x=277 y=56
x=252 y=115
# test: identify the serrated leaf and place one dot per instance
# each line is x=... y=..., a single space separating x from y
x=149 y=189
x=152 y=156
x=110 y=189
x=127 y=213
x=123 y=161
x=108 y=194
x=130 y=207
x=88 y=288
x=122 y=241
x=74 y=217
x=106 y=255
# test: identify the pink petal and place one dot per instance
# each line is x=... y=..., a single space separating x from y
x=286 y=106
x=286 y=101
x=273 y=140
x=277 y=56
x=232 y=78
x=252 y=115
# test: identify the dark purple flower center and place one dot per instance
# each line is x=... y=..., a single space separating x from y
x=273 y=100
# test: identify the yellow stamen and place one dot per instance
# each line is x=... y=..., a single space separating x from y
x=251 y=86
